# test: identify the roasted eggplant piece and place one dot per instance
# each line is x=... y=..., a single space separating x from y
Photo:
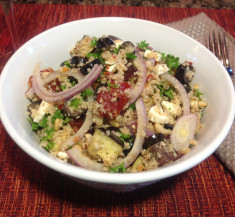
x=151 y=140
x=117 y=138
x=161 y=154
x=102 y=146
x=113 y=38
x=126 y=151
x=33 y=106
x=62 y=64
x=126 y=44
x=71 y=111
x=185 y=73
x=112 y=134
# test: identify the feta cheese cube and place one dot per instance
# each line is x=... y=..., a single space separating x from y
x=157 y=115
x=161 y=68
x=171 y=107
x=111 y=68
x=152 y=54
x=109 y=62
x=118 y=42
x=62 y=155
x=43 y=109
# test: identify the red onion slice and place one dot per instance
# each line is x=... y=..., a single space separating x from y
x=149 y=132
x=184 y=131
x=152 y=61
x=180 y=88
x=82 y=160
x=81 y=132
x=29 y=93
x=53 y=97
x=134 y=125
x=141 y=133
x=53 y=75
x=139 y=87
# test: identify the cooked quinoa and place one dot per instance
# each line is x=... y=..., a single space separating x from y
x=116 y=106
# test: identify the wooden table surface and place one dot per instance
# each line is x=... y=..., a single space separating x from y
x=28 y=188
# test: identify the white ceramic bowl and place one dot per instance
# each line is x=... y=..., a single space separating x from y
x=52 y=47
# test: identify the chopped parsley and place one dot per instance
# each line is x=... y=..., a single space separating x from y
x=57 y=114
x=67 y=64
x=163 y=56
x=62 y=87
x=40 y=125
x=118 y=169
x=126 y=137
x=169 y=92
x=34 y=125
x=96 y=55
x=49 y=146
x=197 y=93
x=130 y=56
x=70 y=147
x=43 y=122
x=112 y=85
x=94 y=42
x=132 y=106
x=49 y=134
x=73 y=83
x=116 y=50
x=143 y=45
x=87 y=92
x=66 y=120
x=76 y=102
x=171 y=61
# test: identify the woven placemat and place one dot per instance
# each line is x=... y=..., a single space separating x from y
x=199 y=27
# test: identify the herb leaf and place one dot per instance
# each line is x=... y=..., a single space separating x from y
x=130 y=56
x=41 y=124
x=66 y=120
x=126 y=137
x=172 y=62
x=87 y=92
x=49 y=146
x=62 y=87
x=143 y=45
x=76 y=102
x=112 y=85
x=94 y=42
x=57 y=114
x=116 y=50
x=34 y=125
x=73 y=83
x=169 y=92
x=118 y=169
x=132 y=106
x=96 y=55
x=67 y=64
x=49 y=135
x=163 y=56
x=197 y=93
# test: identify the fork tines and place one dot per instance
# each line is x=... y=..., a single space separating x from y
x=217 y=44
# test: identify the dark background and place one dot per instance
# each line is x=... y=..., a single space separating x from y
x=215 y=4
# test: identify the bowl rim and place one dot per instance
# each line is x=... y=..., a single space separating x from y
x=112 y=178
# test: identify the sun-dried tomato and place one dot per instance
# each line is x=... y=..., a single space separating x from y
x=113 y=99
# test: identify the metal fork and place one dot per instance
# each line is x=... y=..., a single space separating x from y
x=219 y=47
